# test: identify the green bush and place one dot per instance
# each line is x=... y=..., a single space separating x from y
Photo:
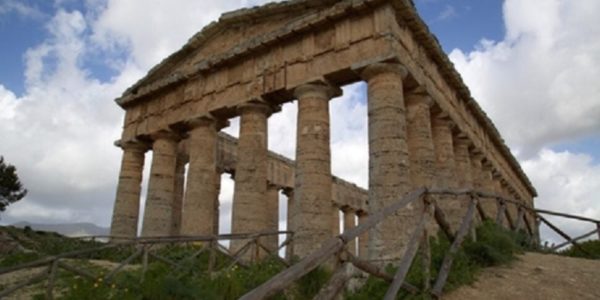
x=495 y=245
x=591 y=247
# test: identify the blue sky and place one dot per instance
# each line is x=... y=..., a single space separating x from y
x=530 y=64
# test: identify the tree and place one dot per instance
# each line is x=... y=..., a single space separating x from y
x=11 y=189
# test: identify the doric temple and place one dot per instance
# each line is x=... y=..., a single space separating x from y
x=424 y=128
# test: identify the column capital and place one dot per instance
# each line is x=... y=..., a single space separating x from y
x=487 y=165
x=133 y=145
x=442 y=119
x=206 y=120
x=165 y=135
x=256 y=105
x=418 y=98
x=376 y=69
x=348 y=210
x=288 y=191
x=461 y=139
x=272 y=186
x=318 y=87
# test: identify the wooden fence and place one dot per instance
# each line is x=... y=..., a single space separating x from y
x=333 y=249
x=147 y=249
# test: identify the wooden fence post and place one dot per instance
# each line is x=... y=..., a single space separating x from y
x=51 y=280
x=409 y=255
x=449 y=257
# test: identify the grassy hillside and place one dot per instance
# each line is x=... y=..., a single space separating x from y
x=494 y=246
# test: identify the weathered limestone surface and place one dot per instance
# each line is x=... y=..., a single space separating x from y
x=270 y=53
x=363 y=239
x=388 y=155
x=312 y=195
x=161 y=187
x=489 y=204
x=349 y=224
x=289 y=193
x=281 y=173
x=462 y=172
x=446 y=168
x=201 y=190
x=127 y=206
x=272 y=210
x=249 y=212
x=421 y=154
x=177 y=206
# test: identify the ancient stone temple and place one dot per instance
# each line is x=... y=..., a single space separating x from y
x=425 y=129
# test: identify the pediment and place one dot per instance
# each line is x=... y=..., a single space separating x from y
x=231 y=30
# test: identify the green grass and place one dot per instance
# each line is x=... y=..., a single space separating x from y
x=494 y=246
x=591 y=247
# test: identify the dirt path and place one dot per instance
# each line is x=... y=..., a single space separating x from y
x=536 y=276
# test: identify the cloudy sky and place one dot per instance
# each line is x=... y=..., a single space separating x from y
x=532 y=65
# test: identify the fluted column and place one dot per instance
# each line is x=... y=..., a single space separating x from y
x=271 y=242
x=422 y=157
x=446 y=168
x=161 y=186
x=349 y=224
x=201 y=190
x=178 y=199
x=289 y=249
x=313 y=182
x=388 y=155
x=249 y=199
x=363 y=239
x=127 y=203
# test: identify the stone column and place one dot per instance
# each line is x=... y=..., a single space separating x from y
x=349 y=224
x=488 y=185
x=462 y=173
x=272 y=196
x=389 y=178
x=178 y=199
x=446 y=168
x=462 y=160
x=312 y=187
x=127 y=203
x=335 y=220
x=201 y=190
x=422 y=157
x=511 y=207
x=249 y=211
x=363 y=239
x=161 y=186
x=217 y=204
x=289 y=249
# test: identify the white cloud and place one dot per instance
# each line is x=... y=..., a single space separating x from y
x=540 y=87
x=21 y=9
x=539 y=84
x=449 y=12
x=567 y=182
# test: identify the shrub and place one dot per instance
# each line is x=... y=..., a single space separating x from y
x=592 y=247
